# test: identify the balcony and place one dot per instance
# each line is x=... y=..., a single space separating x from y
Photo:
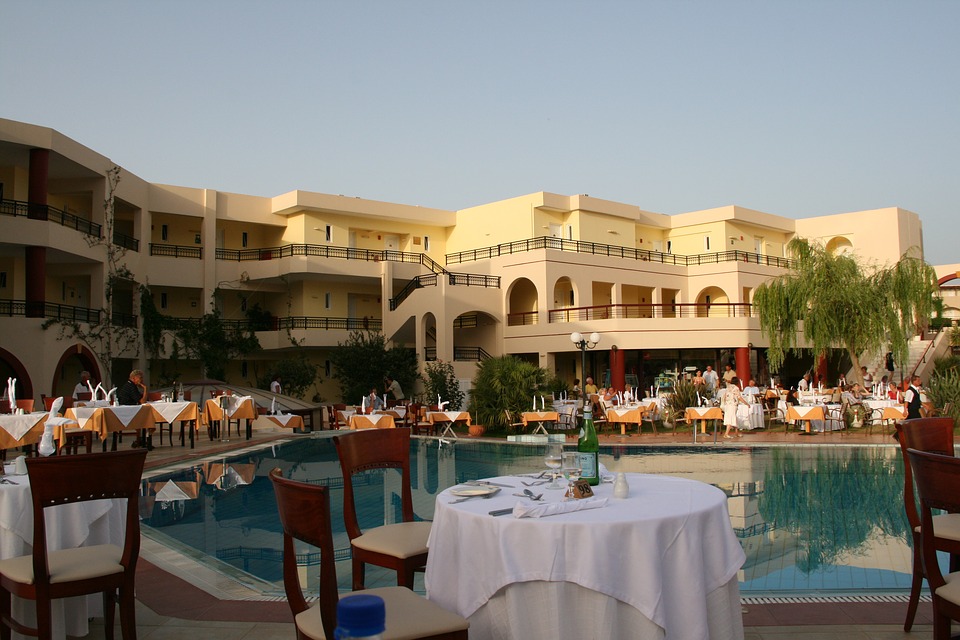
x=125 y=241
x=46 y=212
x=614 y=251
x=644 y=311
x=176 y=251
x=321 y=323
x=49 y=310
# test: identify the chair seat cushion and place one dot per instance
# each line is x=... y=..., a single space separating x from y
x=951 y=590
x=400 y=540
x=68 y=565
x=946 y=525
x=408 y=616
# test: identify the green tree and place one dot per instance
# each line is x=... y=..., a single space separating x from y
x=364 y=361
x=296 y=371
x=835 y=302
x=441 y=381
x=214 y=343
x=505 y=383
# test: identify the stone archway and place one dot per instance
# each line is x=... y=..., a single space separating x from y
x=75 y=359
x=11 y=367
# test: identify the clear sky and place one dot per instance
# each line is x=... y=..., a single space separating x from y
x=793 y=108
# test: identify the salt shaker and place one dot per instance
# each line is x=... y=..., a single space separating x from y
x=620 y=487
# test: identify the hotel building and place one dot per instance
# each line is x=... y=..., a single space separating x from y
x=515 y=276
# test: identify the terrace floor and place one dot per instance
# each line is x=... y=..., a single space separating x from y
x=171 y=608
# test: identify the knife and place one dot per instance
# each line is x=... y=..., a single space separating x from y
x=493 y=484
x=501 y=512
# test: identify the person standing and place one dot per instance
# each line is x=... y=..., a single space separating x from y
x=83 y=386
x=589 y=388
x=710 y=378
x=275 y=386
x=732 y=399
x=912 y=398
x=804 y=384
x=728 y=373
x=393 y=388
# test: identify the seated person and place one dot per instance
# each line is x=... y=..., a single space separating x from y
x=751 y=389
x=698 y=380
x=852 y=395
x=589 y=388
x=804 y=384
x=372 y=402
x=893 y=393
x=133 y=391
x=628 y=396
x=867 y=378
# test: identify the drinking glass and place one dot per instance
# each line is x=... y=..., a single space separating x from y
x=570 y=466
x=553 y=458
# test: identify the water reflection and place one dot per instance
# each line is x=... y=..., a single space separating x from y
x=810 y=519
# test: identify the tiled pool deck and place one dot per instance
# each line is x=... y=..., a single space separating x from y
x=177 y=601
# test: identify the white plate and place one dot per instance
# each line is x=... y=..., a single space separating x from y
x=475 y=491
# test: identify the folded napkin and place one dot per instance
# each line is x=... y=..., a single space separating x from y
x=541 y=510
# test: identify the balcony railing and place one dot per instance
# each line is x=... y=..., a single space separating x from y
x=46 y=212
x=289 y=322
x=324 y=251
x=460 y=354
x=429 y=280
x=521 y=318
x=613 y=251
x=121 y=319
x=125 y=241
x=176 y=251
x=640 y=311
x=52 y=310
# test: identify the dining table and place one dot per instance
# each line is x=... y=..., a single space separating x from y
x=443 y=421
x=228 y=408
x=372 y=421
x=21 y=430
x=540 y=417
x=69 y=525
x=627 y=414
x=701 y=415
x=107 y=420
x=286 y=420
x=186 y=412
x=661 y=563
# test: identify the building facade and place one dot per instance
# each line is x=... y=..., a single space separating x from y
x=516 y=276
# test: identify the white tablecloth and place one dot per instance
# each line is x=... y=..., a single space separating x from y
x=663 y=552
x=71 y=525
x=18 y=425
x=750 y=417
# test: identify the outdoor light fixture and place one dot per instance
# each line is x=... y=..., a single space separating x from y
x=583 y=343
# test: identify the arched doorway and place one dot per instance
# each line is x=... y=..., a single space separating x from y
x=713 y=302
x=75 y=359
x=839 y=246
x=11 y=367
x=522 y=302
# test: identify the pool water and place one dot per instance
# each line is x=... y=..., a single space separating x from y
x=813 y=520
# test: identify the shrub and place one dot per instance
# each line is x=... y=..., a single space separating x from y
x=944 y=388
x=505 y=383
x=441 y=381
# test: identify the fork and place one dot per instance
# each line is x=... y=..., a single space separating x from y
x=535 y=483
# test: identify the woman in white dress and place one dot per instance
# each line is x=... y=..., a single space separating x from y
x=732 y=399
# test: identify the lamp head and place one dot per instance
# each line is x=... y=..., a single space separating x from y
x=595 y=337
x=576 y=337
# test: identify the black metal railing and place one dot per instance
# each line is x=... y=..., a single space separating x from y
x=613 y=251
x=474 y=280
x=287 y=322
x=324 y=251
x=429 y=280
x=122 y=319
x=639 y=311
x=125 y=241
x=52 y=214
x=176 y=251
x=470 y=354
x=521 y=318
x=51 y=310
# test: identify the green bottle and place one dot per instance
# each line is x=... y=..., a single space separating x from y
x=589 y=448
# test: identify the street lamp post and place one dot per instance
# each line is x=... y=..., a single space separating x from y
x=583 y=343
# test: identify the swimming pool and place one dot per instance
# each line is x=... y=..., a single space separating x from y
x=813 y=520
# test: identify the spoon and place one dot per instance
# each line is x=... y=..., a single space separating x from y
x=532 y=495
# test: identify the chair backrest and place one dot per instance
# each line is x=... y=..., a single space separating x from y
x=930 y=435
x=86 y=396
x=938 y=483
x=373 y=449
x=305 y=515
x=92 y=476
x=26 y=404
x=154 y=396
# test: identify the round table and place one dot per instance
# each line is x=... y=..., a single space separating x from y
x=661 y=563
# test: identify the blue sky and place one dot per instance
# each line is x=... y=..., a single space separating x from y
x=794 y=108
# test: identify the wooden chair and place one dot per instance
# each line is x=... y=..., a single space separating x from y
x=48 y=402
x=649 y=414
x=338 y=422
x=26 y=404
x=305 y=515
x=74 y=437
x=401 y=546
x=513 y=422
x=931 y=435
x=416 y=418
x=108 y=569
x=938 y=484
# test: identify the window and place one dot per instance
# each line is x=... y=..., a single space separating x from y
x=569 y=232
x=196 y=239
x=164 y=232
x=243 y=240
x=669 y=246
x=426 y=243
x=329 y=235
x=3 y=279
x=758 y=245
x=163 y=300
x=326 y=368
x=706 y=243
x=243 y=304
x=326 y=300
x=243 y=368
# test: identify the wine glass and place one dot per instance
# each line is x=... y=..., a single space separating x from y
x=553 y=458
x=570 y=466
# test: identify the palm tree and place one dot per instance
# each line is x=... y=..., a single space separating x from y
x=836 y=302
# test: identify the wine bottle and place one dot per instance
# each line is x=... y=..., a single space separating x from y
x=589 y=448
